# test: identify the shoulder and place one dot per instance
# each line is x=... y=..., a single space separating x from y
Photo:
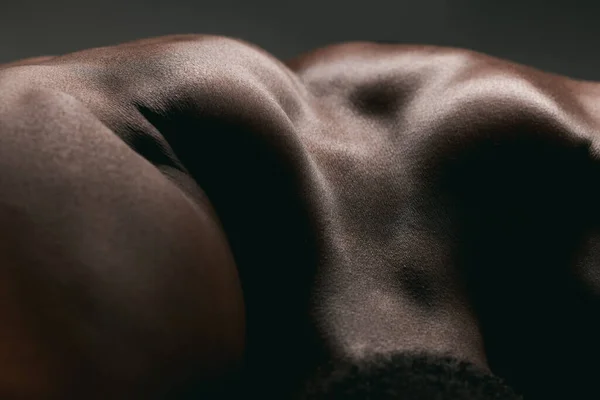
x=436 y=90
x=167 y=72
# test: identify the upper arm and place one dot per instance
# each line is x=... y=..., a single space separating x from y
x=115 y=271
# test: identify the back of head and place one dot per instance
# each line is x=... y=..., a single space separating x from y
x=406 y=376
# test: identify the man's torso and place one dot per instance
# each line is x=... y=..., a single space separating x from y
x=376 y=198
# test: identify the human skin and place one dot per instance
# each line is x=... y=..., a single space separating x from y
x=192 y=206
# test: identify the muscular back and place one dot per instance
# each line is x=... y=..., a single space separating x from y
x=184 y=207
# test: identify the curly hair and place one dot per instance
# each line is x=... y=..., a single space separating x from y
x=405 y=376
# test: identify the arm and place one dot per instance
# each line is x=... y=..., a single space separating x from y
x=110 y=274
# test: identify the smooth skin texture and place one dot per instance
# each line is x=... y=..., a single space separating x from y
x=186 y=208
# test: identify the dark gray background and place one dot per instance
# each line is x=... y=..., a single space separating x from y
x=562 y=38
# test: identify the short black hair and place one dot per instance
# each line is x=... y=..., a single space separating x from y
x=405 y=376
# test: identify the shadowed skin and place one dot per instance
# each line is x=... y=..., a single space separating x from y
x=181 y=209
